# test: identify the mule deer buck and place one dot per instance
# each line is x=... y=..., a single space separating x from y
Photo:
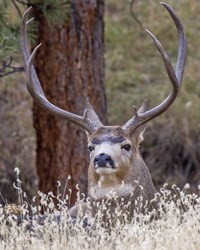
x=115 y=161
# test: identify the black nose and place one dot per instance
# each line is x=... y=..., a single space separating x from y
x=103 y=161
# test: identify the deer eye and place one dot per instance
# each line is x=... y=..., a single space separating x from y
x=127 y=147
x=90 y=148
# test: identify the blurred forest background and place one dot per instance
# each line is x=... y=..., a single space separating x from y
x=134 y=71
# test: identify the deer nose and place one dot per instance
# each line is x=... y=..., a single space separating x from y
x=103 y=160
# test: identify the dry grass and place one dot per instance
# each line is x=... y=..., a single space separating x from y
x=134 y=71
x=176 y=225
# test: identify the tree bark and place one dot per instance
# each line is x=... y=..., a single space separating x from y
x=70 y=66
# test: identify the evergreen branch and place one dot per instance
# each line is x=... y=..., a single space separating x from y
x=22 y=2
x=56 y=13
x=17 y=8
x=3 y=19
x=7 y=68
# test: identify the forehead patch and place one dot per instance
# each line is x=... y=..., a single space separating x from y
x=111 y=139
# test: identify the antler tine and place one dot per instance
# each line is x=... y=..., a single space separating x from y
x=182 y=47
x=89 y=121
x=175 y=77
x=23 y=36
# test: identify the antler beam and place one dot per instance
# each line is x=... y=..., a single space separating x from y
x=89 y=121
x=174 y=76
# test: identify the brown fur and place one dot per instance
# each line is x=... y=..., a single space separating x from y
x=125 y=182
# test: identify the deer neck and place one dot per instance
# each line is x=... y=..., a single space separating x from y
x=108 y=181
x=109 y=186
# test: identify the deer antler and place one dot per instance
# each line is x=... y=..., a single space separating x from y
x=175 y=77
x=89 y=121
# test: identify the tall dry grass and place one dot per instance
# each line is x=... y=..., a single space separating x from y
x=44 y=225
x=134 y=71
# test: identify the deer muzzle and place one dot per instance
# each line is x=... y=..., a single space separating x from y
x=103 y=161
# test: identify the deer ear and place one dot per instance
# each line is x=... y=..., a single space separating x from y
x=88 y=135
x=138 y=134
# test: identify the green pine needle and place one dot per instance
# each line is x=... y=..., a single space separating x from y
x=56 y=12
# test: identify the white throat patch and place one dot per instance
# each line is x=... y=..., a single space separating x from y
x=98 y=192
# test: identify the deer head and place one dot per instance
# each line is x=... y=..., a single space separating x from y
x=114 y=150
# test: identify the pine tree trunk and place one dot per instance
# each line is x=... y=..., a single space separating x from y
x=70 y=66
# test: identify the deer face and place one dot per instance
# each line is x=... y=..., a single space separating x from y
x=112 y=150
